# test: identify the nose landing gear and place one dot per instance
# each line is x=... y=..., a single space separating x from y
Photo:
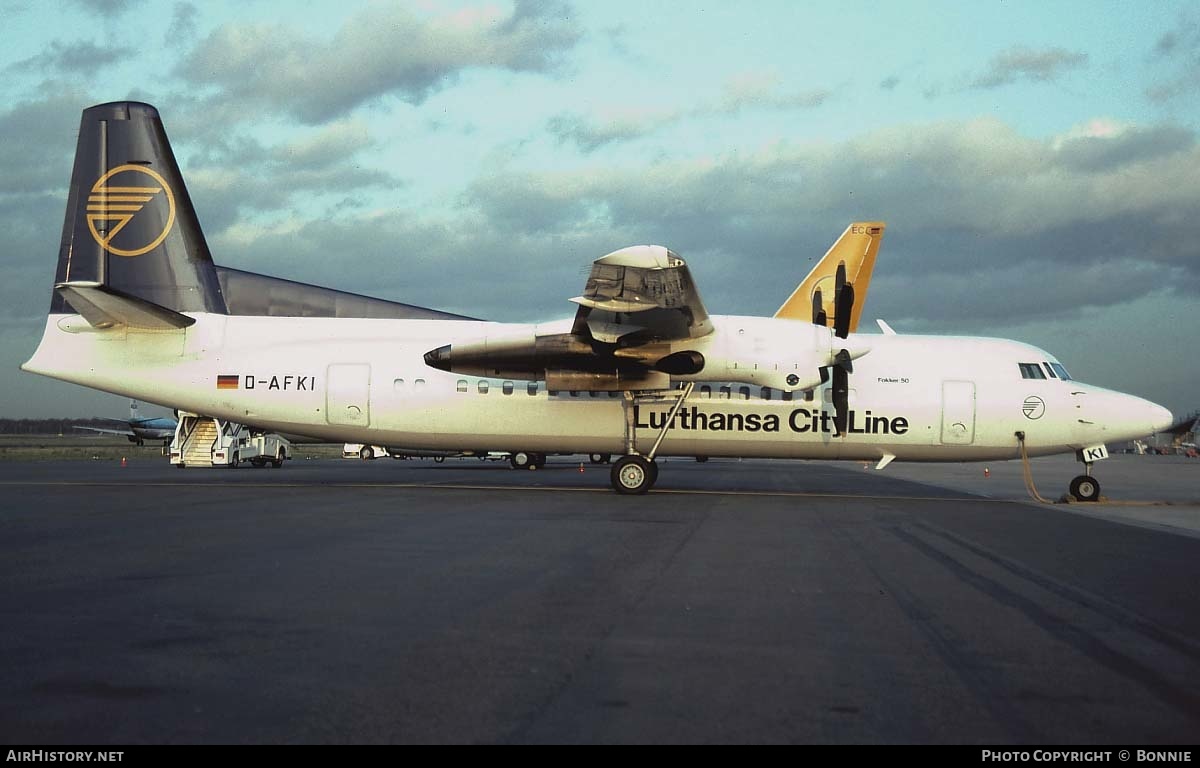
x=1082 y=488
x=1085 y=487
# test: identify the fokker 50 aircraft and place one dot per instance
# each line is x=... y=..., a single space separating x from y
x=138 y=429
x=642 y=369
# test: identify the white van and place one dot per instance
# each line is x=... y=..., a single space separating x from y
x=364 y=452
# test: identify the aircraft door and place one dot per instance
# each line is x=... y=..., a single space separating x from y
x=958 y=412
x=347 y=394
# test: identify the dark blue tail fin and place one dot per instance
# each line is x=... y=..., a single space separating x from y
x=130 y=225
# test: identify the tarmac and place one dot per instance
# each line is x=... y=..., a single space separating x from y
x=339 y=601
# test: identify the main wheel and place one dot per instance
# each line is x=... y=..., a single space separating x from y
x=519 y=460
x=1085 y=488
x=633 y=475
x=367 y=453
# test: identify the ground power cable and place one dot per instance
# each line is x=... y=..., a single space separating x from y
x=1027 y=472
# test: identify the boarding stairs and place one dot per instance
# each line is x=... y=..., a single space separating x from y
x=198 y=448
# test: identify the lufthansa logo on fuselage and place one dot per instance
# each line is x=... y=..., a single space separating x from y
x=117 y=198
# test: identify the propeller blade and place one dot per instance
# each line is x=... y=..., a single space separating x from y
x=818 y=309
x=841 y=399
x=842 y=310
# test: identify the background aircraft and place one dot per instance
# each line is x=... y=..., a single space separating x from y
x=139 y=429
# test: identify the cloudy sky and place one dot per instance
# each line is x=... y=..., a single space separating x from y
x=1037 y=163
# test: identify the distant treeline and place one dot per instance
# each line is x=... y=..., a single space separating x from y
x=50 y=426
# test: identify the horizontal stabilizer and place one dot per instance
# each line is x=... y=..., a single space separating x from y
x=105 y=308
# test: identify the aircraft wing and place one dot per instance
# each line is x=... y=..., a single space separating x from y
x=124 y=432
x=638 y=310
x=641 y=325
x=643 y=293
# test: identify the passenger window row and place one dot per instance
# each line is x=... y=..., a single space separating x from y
x=704 y=392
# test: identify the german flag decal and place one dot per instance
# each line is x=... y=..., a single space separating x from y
x=227 y=382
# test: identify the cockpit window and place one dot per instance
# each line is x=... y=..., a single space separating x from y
x=1031 y=371
x=1062 y=372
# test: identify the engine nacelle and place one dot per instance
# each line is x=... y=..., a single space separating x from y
x=783 y=354
x=519 y=352
x=770 y=352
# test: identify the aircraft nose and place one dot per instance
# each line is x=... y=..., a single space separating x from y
x=1123 y=417
x=1147 y=417
x=1160 y=418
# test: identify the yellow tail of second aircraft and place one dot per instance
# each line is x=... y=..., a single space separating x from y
x=849 y=260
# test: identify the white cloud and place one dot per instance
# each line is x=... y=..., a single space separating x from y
x=1021 y=63
x=380 y=51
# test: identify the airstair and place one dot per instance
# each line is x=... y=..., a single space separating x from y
x=202 y=441
x=198 y=444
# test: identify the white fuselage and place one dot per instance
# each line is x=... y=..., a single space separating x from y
x=917 y=398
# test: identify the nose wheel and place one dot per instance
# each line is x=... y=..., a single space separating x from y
x=1085 y=488
x=633 y=475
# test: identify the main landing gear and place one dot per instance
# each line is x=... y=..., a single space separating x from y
x=635 y=474
x=526 y=460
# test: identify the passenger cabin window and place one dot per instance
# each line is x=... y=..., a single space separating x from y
x=744 y=392
x=507 y=387
x=531 y=388
x=483 y=387
x=398 y=385
x=1031 y=371
x=785 y=396
x=705 y=392
x=418 y=384
x=725 y=392
x=766 y=393
x=462 y=385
